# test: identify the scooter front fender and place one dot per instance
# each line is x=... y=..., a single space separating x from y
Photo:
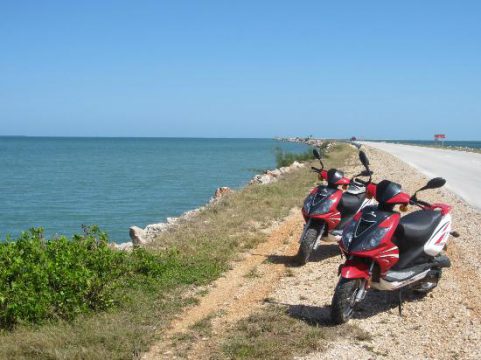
x=355 y=270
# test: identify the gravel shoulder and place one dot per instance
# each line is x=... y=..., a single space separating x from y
x=446 y=324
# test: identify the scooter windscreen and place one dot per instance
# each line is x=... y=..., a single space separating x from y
x=319 y=202
x=365 y=233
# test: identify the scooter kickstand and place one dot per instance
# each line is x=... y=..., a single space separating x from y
x=400 y=303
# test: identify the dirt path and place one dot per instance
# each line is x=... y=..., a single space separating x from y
x=235 y=295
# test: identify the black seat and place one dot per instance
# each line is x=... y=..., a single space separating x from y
x=415 y=228
x=348 y=206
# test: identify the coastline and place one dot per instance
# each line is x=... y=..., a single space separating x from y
x=144 y=236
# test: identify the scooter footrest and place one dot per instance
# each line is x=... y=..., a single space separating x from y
x=405 y=274
x=442 y=261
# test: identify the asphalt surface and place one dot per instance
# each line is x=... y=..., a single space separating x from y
x=461 y=169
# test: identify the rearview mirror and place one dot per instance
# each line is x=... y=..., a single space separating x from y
x=435 y=183
x=316 y=154
x=364 y=159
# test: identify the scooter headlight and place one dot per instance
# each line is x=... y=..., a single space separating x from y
x=322 y=208
x=308 y=203
x=372 y=240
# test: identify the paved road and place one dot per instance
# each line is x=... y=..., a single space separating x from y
x=461 y=169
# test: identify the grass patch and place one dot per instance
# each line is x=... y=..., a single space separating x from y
x=194 y=253
x=273 y=334
x=252 y=273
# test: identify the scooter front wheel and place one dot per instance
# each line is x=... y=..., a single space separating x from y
x=344 y=300
x=308 y=241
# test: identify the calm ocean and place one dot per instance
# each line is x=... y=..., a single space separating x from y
x=62 y=183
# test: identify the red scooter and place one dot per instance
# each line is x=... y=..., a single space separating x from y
x=327 y=208
x=385 y=251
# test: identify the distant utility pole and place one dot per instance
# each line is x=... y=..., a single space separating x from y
x=439 y=138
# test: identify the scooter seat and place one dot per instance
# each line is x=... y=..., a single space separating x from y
x=348 y=206
x=350 y=203
x=416 y=228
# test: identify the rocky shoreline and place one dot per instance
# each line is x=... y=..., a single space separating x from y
x=144 y=236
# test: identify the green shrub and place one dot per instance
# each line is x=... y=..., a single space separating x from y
x=285 y=158
x=59 y=278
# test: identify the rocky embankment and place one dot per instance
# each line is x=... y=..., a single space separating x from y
x=143 y=236
x=300 y=140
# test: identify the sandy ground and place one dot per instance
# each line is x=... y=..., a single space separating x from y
x=461 y=169
x=446 y=324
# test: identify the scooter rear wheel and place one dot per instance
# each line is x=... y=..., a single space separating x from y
x=344 y=300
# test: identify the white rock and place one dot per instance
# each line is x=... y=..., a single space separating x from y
x=137 y=235
x=264 y=179
x=172 y=220
x=154 y=229
x=274 y=173
x=221 y=192
x=296 y=165
x=126 y=246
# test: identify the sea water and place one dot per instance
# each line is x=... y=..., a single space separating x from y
x=61 y=183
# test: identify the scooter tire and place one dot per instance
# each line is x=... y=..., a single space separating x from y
x=343 y=301
x=307 y=245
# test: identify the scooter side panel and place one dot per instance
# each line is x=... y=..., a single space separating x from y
x=333 y=216
x=439 y=238
x=355 y=270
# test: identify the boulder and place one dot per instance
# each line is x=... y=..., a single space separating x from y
x=138 y=236
x=153 y=230
x=126 y=246
x=296 y=165
x=172 y=220
x=274 y=173
x=221 y=192
x=262 y=179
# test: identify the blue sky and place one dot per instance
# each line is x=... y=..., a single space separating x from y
x=377 y=69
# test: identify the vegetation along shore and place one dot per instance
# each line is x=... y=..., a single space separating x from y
x=121 y=300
